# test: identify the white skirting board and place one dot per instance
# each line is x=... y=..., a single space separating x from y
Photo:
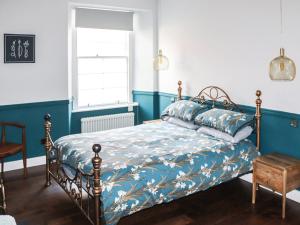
x=293 y=195
x=18 y=164
x=37 y=161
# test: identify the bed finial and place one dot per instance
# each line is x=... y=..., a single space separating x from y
x=258 y=118
x=96 y=148
x=97 y=188
x=179 y=97
x=47 y=145
x=47 y=117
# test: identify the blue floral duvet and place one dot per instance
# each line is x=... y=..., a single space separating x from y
x=154 y=163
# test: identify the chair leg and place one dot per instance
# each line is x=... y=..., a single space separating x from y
x=2 y=193
x=24 y=161
x=2 y=167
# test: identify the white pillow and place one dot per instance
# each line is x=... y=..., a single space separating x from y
x=181 y=123
x=240 y=135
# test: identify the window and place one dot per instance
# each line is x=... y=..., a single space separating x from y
x=103 y=67
x=102 y=57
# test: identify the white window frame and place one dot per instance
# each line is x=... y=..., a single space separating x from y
x=75 y=86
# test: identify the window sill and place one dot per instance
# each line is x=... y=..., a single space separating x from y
x=115 y=106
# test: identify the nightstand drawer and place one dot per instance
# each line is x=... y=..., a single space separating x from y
x=268 y=176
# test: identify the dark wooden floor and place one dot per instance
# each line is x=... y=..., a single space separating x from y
x=227 y=204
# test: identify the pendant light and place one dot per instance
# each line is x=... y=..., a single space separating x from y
x=282 y=67
x=161 y=62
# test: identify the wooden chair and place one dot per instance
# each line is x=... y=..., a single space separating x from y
x=9 y=148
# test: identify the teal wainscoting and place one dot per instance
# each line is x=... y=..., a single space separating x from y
x=276 y=132
x=148 y=104
x=76 y=116
x=64 y=122
x=31 y=115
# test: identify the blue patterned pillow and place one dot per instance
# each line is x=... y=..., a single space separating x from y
x=184 y=109
x=224 y=120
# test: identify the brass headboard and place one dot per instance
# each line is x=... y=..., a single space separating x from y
x=216 y=96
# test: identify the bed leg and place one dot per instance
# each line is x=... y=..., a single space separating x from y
x=47 y=146
x=96 y=186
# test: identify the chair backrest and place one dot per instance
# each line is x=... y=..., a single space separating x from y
x=12 y=124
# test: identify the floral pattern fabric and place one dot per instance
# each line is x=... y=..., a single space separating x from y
x=225 y=120
x=152 y=164
x=184 y=109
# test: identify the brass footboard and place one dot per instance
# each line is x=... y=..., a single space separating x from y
x=84 y=189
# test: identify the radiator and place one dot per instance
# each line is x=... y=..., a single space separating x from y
x=100 y=123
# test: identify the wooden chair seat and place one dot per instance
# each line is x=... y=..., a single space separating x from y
x=9 y=149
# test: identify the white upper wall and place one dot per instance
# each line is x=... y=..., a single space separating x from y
x=47 y=79
x=145 y=40
x=230 y=44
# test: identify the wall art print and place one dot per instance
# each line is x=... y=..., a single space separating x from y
x=19 y=48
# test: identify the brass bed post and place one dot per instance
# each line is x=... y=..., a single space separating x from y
x=179 y=96
x=47 y=146
x=96 y=184
x=258 y=118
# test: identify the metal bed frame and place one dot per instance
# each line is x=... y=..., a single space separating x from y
x=85 y=189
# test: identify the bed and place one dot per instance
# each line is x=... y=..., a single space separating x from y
x=138 y=167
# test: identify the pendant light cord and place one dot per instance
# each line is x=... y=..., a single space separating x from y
x=281 y=17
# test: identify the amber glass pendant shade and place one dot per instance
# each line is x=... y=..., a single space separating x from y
x=282 y=68
x=161 y=62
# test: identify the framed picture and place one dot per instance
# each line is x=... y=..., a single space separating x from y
x=19 y=48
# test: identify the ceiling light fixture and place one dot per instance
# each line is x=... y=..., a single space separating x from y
x=161 y=62
x=282 y=67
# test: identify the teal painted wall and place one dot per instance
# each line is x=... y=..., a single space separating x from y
x=148 y=104
x=276 y=132
x=31 y=115
x=64 y=122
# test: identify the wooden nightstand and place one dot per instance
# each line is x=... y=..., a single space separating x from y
x=152 y=121
x=278 y=172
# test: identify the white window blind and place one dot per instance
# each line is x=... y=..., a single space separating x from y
x=104 y=19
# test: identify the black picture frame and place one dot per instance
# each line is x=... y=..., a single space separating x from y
x=19 y=48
